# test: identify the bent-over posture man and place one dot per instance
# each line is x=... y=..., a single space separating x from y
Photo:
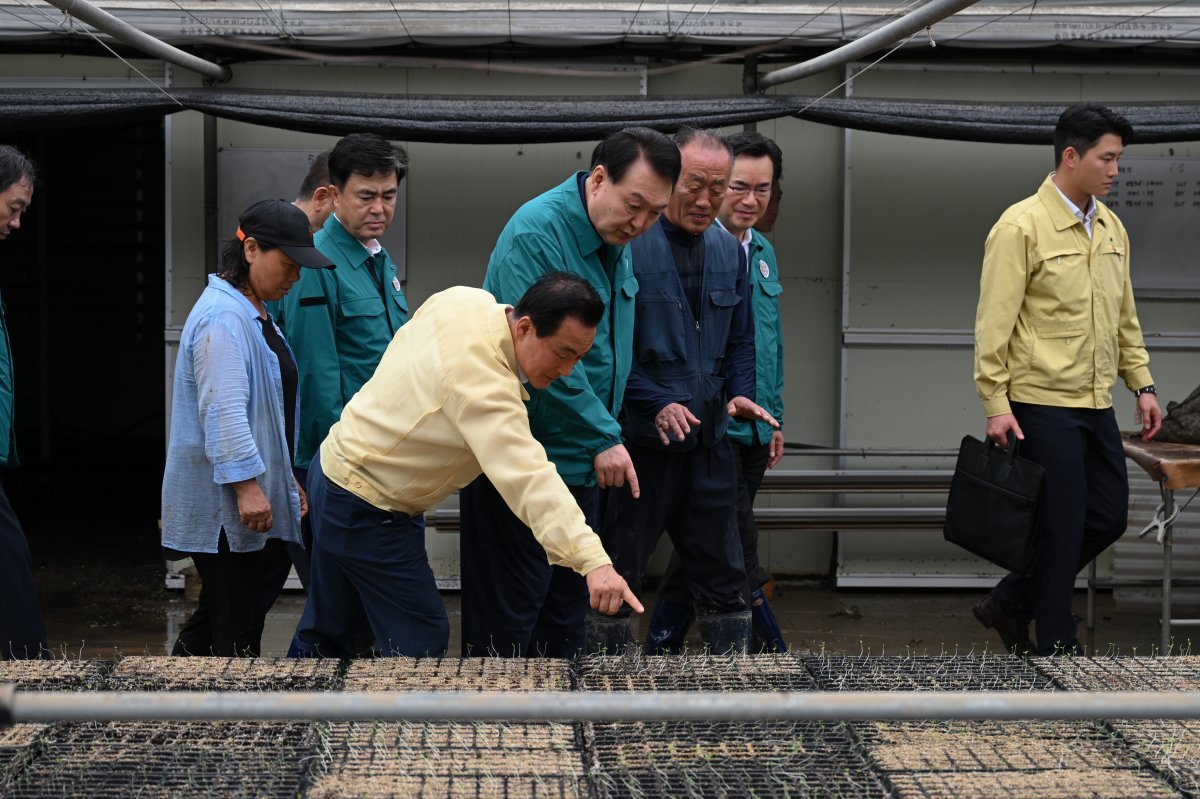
x=445 y=405
x=515 y=604
x=1056 y=325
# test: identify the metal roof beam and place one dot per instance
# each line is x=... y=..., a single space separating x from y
x=923 y=17
x=101 y=20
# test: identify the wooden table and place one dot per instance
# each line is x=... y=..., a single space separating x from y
x=1173 y=467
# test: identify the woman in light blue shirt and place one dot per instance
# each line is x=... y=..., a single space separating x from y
x=230 y=501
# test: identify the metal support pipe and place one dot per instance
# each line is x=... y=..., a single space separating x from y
x=614 y=706
x=923 y=17
x=101 y=20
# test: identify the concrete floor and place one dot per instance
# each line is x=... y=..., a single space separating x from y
x=813 y=618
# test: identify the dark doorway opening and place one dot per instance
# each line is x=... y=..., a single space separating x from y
x=83 y=281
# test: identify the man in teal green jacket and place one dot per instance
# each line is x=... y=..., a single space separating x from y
x=22 y=633
x=513 y=602
x=757 y=170
x=339 y=322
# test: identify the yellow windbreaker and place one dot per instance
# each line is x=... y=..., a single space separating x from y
x=1056 y=322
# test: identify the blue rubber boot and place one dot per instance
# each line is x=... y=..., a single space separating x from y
x=768 y=637
x=726 y=633
x=669 y=625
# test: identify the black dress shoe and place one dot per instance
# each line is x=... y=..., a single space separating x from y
x=1013 y=632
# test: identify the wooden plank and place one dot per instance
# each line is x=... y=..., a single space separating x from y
x=1177 y=464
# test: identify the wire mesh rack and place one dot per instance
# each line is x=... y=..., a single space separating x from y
x=453 y=759
x=146 y=673
x=1176 y=673
x=694 y=672
x=1053 y=784
x=458 y=674
x=56 y=675
x=926 y=673
x=194 y=759
x=1172 y=748
x=726 y=759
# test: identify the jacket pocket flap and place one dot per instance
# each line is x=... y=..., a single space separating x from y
x=772 y=288
x=1068 y=252
x=724 y=297
x=1050 y=328
x=630 y=287
x=361 y=306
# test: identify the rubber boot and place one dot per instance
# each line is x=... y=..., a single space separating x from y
x=669 y=625
x=608 y=635
x=726 y=633
x=768 y=637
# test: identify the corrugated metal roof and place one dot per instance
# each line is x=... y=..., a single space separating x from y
x=375 y=23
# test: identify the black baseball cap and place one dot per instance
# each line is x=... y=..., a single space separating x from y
x=282 y=224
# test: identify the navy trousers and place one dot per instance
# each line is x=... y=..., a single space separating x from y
x=22 y=633
x=751 y=462
x=1086 y=509
x=514 y=603
x=692 y=494
x=237 y=591
x=372 y=561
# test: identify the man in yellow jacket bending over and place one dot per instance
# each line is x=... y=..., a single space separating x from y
x=445 y=405
x=1055 y=327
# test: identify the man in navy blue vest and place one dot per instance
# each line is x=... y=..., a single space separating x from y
x=693 y=368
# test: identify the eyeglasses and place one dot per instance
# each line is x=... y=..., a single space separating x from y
x=739 y=189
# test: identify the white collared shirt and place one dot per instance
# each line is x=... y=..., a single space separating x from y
x=747 y=236
x=1085 y=218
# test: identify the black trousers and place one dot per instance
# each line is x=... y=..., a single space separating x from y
x=515 y=604
x=22 y=632
x=751 y=462
x=692 y=494
x=237 y=591
x=1086 y=509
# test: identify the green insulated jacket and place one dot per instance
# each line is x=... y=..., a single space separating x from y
x=8 y=438
x=338 y=322
x=765 y=289
x=575 y=418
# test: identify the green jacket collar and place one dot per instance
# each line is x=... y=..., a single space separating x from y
x=336 y=243
x=586 y=236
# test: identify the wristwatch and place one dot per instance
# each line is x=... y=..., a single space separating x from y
x=1150 y=389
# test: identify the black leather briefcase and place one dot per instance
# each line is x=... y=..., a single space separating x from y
x=995 y=503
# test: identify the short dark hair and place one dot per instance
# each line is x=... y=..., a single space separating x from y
x=233 y=268
x=556 y=295
x=318 y=176
x=705 y=137
x=365 y=154
x=621 y=150
x=756 y=145
x=15 y=167
x=1082 y=125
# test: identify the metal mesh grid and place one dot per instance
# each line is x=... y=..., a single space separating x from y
x=699 y=672
x=1171 y=747
x=143 y=673
x=194 y=759
x=970 y=746
x=762 y=759
x=926 y=673
x=453 y=759
x=1055 y=784
x=668 y=759
x=1176 y=673
x=458 y=674
x=55 y=675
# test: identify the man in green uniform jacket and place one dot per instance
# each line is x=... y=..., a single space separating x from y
x=339 y=322
x=513 y=602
